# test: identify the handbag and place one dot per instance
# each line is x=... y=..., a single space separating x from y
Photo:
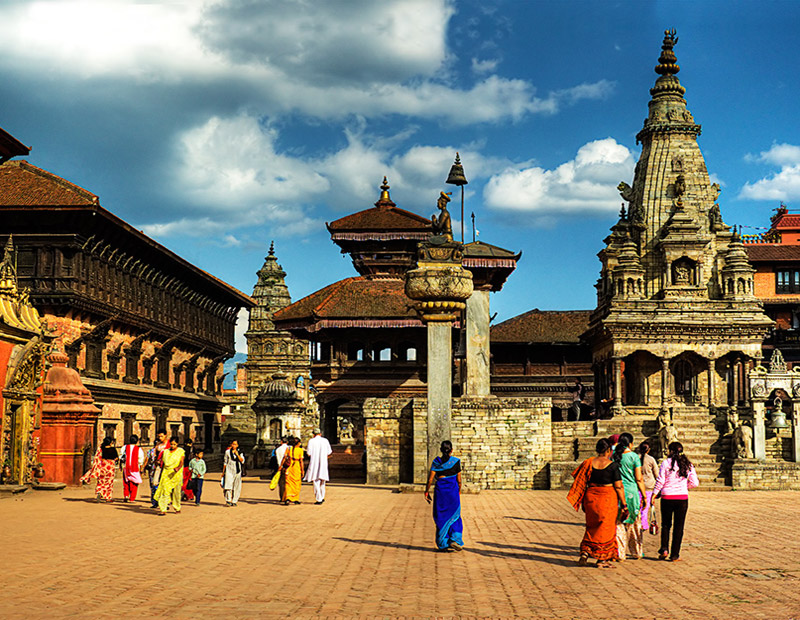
x=653 y=529
x=273 y=484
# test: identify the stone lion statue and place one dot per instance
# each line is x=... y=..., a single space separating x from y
x=742 y=442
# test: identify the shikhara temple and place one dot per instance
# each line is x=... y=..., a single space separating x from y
x=687 y=339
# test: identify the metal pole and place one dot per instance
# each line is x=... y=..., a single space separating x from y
x=462 y=214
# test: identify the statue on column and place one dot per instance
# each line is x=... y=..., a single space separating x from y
x=441 y=224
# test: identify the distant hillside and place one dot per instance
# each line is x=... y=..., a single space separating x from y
x=230 y=368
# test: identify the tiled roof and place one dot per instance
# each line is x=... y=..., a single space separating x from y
x=772 y=252
x=352 y=302
x=790 y=220
x=10 y=146
x=543 y=326
x=23 y=185
x=381 y=218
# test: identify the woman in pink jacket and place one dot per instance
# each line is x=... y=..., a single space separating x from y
x=675 y=477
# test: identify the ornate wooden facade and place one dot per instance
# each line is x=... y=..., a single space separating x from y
x=147 y=330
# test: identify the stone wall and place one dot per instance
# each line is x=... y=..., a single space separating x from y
x=561 y=474
x=565 y=438
x=752 y=475
x=502 y=443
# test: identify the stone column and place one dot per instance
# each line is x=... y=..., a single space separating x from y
x=478 y=374
x=796 y=432
x=759 y=432
x=664 y=382
x=440 y=285
x=711 y=374
x=737 y=369
x=617 y=371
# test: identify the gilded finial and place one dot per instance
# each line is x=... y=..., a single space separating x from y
x=667 y=61
x=271 y=248
x=385 y=191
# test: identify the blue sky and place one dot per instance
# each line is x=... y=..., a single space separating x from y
x=219 y=126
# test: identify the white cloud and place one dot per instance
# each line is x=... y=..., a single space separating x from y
x=483 y=66
x=329 y=60
x=781 y=185
x=583 y=185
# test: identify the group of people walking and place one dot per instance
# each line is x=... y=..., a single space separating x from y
x=616 y=490
x=175 y=477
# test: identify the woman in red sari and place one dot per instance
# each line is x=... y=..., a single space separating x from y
x=598 y=490
x=103 y=468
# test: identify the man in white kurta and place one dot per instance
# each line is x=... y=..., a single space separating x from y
x=319 y=450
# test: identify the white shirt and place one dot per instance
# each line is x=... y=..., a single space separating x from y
x=280 y=451
x=318 y=450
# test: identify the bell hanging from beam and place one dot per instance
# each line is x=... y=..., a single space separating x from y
x=456 y=176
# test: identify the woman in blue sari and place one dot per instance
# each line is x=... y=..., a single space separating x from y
x=446 y=473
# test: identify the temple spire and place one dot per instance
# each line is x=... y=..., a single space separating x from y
x=668 y=85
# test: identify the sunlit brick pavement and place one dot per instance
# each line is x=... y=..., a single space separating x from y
x=367 y=553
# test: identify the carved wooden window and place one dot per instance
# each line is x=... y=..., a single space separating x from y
x=787 y=281
x=144 y=434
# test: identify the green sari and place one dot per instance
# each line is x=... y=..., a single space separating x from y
x=627 y=469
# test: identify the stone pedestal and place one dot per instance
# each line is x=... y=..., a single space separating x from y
x=759 y=432
x=478 y=372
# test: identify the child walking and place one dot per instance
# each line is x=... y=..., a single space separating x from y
x=198 y=468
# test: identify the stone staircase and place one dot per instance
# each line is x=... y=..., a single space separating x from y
x=697 y=432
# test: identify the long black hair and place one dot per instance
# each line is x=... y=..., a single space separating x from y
x=643 y=450
x=675 y=452
x=446 y=448
x=622 y=445
x=602 y=446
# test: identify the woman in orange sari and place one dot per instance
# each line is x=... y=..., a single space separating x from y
x=598 y=490
x=292 y=465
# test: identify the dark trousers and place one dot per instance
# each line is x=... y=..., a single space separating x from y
x=673 y=516
x=198 y=489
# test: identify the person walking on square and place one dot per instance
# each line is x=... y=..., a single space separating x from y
x=629 y=527
x=188 y=450
x=445 y=476
x=103 y=468
x=319 y=451
x=599 y=491
x=675 y=477
x=280 y=452
x=133 y=463
x=232 y=474
x=169 y=487
x=197 y=469
x=292 y=465
x=155 y=466
x=649 y=475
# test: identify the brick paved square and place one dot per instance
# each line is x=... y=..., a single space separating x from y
x=368 y=552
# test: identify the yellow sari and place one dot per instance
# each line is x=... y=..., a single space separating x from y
x=169 y=487
x=293 y=466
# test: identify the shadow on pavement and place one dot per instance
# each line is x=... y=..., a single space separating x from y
x=483 y=552
x=558 y=549
x=546 y=521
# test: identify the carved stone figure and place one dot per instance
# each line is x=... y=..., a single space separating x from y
x=667 y=433
x=441 y=224
x=680 y=186
x=742 y=442
x=715 y=218
x=626 y=191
